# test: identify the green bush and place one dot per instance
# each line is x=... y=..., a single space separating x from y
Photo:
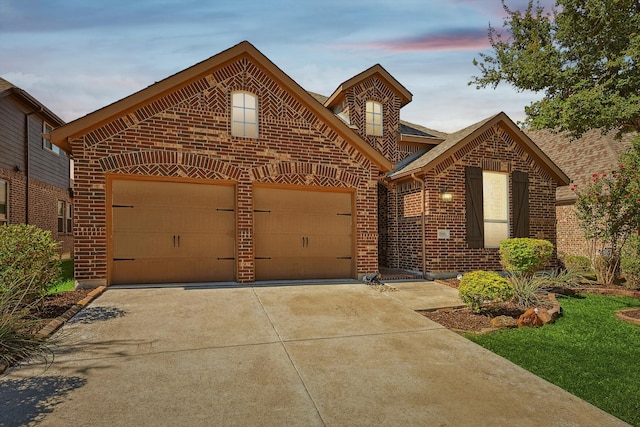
x=630 y=262
x=478 y=287
x=577 y=263
x=524 y=256
x=28 y=256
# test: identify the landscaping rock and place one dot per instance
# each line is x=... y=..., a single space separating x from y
x=529 y=318
x=504 y=322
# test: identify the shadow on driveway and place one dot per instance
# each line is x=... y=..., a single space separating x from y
x=29 y=399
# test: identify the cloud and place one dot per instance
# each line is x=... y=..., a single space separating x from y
x=465 y=39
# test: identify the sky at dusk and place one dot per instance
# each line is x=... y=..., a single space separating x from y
x=76 y=56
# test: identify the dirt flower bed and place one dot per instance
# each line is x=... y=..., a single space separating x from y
x=56 y=305
x=463 y=319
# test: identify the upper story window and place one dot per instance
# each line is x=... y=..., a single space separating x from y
x=4 y=202
x=47 y=128
x=374 y=118
x=244 y=114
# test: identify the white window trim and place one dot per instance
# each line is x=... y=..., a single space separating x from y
x=242 y=121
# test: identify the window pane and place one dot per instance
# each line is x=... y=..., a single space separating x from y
x=237 y=99
x=250 y=116
x=237 y=129
x=494 y=233
x=251 y=130
x=60 y=208
x=249 y=101
x=237 y=114
x=494 y=193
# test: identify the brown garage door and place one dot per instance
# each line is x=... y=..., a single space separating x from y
x=168 y=232
x=302 y=234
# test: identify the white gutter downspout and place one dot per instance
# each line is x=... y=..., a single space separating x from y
x=422 y=200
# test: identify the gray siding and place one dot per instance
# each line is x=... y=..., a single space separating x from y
x=44 y=165
x=11 y=135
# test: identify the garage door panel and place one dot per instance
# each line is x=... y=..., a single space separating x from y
x=302 y=234
x=172 y=232
x=144 y=271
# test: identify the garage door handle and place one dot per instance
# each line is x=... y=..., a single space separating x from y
x=178 y=240
x=174 y=240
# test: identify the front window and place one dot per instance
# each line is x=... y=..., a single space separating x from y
x=69 y=218
x=495 y=195
x=4 y=202
x=47 y=128
x=244 y=115
x=374 y=118
x=61 y=209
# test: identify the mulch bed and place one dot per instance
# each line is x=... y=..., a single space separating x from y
x=56 y=305
x=464 y=320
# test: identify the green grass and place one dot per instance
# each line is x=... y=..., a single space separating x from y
x=67 y=283
x=588 y=352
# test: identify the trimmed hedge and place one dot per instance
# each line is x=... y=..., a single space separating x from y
x=525 y=256
x=478 y=287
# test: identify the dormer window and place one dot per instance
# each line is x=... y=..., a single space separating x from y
x=374 y=118
x=244 y=114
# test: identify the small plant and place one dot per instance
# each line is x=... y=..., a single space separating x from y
x=630 y=262
x=524 y=256
x=526 y=290
x=28 y=257
x=478 y=287
x=17 y=341
x=577 y=264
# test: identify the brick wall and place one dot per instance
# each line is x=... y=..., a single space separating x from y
x=493 y=150
x=186 y=134
x=571 y=239
x=43 y=199
x=373 y=89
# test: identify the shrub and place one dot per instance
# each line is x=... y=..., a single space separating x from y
x=630 y=262
x=28 y=258
x=478 y=287
x=526 y=290
x=524 y=256
x=17 y=341
x=577 y=264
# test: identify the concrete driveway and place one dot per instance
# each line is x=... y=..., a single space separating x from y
x=334 y=355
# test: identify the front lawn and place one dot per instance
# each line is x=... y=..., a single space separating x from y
x=67 y=283
x=588 y=352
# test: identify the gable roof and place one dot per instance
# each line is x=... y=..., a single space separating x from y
x=79 y=127
x=456 y=141
x=379 y=71
x=7 y=88
x=581 y=158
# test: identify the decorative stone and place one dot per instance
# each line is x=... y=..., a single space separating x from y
x=504 y=322
x=529 y=318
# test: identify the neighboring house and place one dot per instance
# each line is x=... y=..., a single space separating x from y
x=230 y=171
x=35 y=183
x=580 y=159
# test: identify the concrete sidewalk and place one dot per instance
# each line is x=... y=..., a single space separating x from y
x=338 y=355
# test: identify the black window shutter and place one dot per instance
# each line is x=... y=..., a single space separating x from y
x=520 y=184
x=474 y=208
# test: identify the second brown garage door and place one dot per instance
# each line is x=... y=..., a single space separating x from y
x=301 y=234
x=164 y=232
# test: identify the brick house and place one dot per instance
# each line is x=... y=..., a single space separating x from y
x=35 y=183
x=593 y=153
x=230 y=171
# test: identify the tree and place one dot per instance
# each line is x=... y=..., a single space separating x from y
x=583 y=54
